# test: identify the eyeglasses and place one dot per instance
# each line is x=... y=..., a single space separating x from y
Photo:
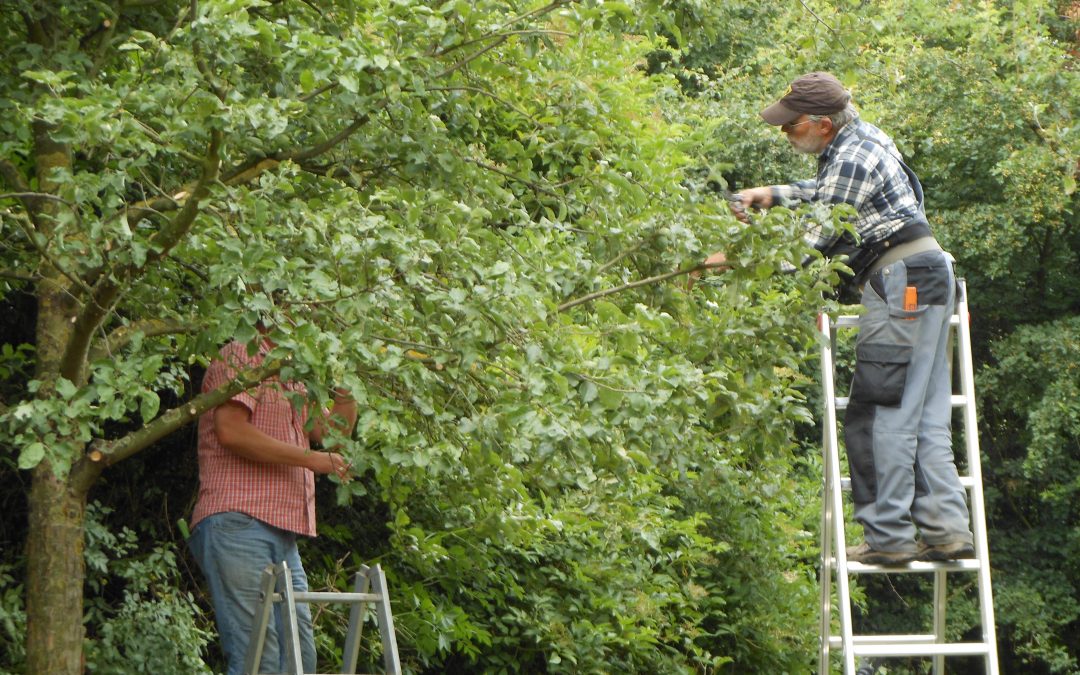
x=789 y=125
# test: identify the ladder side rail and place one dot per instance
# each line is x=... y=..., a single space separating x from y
x=978 y=506
x=261 y=620
x=386 y=622
x=826 y=570
x=836 y=504
x=357 y=612
x=290 y=641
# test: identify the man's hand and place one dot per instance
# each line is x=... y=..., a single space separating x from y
x=758 y=197
x=716 y=261
x=337 y=466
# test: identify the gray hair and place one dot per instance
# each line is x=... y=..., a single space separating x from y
x=839 y=119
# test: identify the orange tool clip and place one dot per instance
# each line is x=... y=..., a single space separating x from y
x=911 y=299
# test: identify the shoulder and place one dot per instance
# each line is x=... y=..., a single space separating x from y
x=865 y=150
x=230 y=359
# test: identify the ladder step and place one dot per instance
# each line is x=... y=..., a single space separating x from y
x=966 y=481
x=837 y=642
x=937 y=649
x=956 y=400
x=907 y=645
x=969 y=565
x=345 y=598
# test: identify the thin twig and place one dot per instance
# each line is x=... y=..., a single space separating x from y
x=501 y=34
x=639 y=283
x=614 y=261
x=470 y=58
x=490 y=94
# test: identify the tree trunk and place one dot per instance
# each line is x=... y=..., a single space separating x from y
x=55 y=572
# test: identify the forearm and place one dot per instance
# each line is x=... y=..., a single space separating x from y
x=341 y=417
x=344 y=414
x=248 y=441
x=802 y=191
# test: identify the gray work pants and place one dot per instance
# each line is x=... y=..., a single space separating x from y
x=897 y=427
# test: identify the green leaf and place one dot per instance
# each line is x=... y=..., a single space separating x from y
x=149 y=405
x=31 y=455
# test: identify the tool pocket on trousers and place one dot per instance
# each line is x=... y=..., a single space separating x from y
x=880 y=374
x=859 y=443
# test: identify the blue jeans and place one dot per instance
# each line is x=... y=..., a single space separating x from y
x=898 y=425
x=233 y=549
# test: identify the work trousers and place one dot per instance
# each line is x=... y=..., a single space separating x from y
x=898 y=423
x=233 y=549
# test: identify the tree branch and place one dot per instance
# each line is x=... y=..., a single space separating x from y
x=532 y=184
x=536 y=12
x=17 y=276
x=13 y=176
x=103 y=453
x=18 y=182
x=108 y=288
x=614 y=261
x=120 y=337
x=471 y=57
x=252 y=168
x=43 y=251
x=504 y=34
x=489 y=94
x=639 y=283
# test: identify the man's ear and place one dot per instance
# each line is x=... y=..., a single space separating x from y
x=826 y=126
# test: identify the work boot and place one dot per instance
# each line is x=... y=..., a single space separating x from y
x=955 y=550
x=866 y=555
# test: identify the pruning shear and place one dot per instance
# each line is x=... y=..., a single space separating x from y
x=735 y=201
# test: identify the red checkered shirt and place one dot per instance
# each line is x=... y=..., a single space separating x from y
x=277 y=494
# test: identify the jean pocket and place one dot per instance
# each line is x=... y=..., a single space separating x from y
x=232 y=521
x=880 y=374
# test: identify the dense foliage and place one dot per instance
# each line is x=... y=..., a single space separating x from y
x=479 y=216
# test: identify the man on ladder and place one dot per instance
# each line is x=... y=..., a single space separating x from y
x=257 y=495
x=898 y=421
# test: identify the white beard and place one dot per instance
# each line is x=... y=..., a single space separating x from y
x=807 y=145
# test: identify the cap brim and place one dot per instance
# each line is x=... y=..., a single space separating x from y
x=779 y=114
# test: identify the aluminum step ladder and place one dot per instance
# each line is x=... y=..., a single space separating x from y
x=834 y=563
x=369 y=588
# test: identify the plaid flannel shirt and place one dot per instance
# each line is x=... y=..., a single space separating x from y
x=863 y=168
x=277 y=494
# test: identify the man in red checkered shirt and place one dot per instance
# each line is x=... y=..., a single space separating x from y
x=256 y=495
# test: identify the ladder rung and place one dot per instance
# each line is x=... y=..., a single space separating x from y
x=345 y=598
x=956 y=401
x=966 y=481
x=936 y=649
x=837 y=642
x=907 y=645
x=968 y=565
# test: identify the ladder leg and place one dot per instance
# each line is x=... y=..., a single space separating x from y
x=825 y=578
x=978 y=506
x=356 y=623
x=290 y=637
x=261 y=621
x=834 y=506
x=940 y=595
x=386 y=622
